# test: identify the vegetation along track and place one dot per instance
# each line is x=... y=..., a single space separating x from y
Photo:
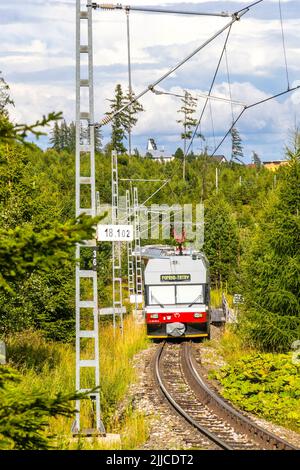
x=224 y=427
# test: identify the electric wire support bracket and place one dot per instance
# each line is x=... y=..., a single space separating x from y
x=86 y=298
x=236 y=16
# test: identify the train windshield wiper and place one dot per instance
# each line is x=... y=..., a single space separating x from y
x=194 y=301
x=154 y=298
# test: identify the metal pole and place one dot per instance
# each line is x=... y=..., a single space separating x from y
x=116 y=247
x=137 y=250
x=129 y=78
x=130 y=267
x=83 y=119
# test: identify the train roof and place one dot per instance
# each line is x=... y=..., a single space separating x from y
x=168 y=251
x=184 y=269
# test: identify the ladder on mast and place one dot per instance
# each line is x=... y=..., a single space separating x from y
x=116 y=247
x=137 y=251
x=86 y=309
x=130 y=264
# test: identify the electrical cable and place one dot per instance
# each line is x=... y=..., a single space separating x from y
x=229 y=84
x=235 y=17
x=252 y=106
x=212 y=123
x=283 y=45
x=209 y=92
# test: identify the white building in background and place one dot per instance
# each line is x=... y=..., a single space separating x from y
x=156 y=154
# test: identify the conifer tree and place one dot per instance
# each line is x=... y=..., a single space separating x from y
x=237 y=148
x=4 y=96
x=220 y=241
x=188 y=109
x=125 y=120
x=256 y=159
x=271 y=266
x=119 y=122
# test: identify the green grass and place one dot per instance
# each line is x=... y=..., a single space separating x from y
x=216 y=298
x=50 y=368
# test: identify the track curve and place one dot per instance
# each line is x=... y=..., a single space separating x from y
x=224 y=427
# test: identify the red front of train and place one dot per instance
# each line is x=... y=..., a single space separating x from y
x=177 y=296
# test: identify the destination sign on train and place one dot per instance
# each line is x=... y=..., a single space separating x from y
x=174 y=277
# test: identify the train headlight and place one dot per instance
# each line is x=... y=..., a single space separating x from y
x=154 y=315
x=198 y=315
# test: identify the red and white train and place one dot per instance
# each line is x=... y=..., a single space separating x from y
x=177 y=293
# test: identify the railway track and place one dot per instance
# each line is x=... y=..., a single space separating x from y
x=214 y=420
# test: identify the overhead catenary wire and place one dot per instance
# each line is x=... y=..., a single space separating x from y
x=209 y=91
x=283 y=44
x=235 y=17
x=200 y=95
x=212 y=123
x=249 y=107
x=229 y=84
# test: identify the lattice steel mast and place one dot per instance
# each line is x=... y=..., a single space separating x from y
x=86 y=309
x=116 y=245
x=130 y=263
x=137 y=250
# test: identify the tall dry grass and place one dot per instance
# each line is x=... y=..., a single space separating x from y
x=50 y=368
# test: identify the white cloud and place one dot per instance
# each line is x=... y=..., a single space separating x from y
x=38 y=60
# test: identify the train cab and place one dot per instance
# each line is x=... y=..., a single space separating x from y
x=177 y=296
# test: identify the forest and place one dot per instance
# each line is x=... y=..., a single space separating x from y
x=252 y=241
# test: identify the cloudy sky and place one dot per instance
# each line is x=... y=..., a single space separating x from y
x=37 y=59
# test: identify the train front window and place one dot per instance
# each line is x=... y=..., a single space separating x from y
x=162 y=295
x=189 y=294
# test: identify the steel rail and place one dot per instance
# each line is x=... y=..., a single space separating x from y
x=212 y=437
x=263 y=437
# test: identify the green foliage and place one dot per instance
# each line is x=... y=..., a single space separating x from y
x=19 y=132
x=63 y=137
x=179 y=154
x=221 y=241
x=23 y=418
x=271 y=267
x=266 y=385
x=125 y=119
x=24 y=249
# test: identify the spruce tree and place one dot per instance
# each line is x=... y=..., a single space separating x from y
x=188 y=109
x=221 y=241
x=237 y=148
x=125 y=120
x=118 y=123
x=256 y=159
x=272 y=265
x=4 y=96
x=55 y=137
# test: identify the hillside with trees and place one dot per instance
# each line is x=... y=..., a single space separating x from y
x=252 y=229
